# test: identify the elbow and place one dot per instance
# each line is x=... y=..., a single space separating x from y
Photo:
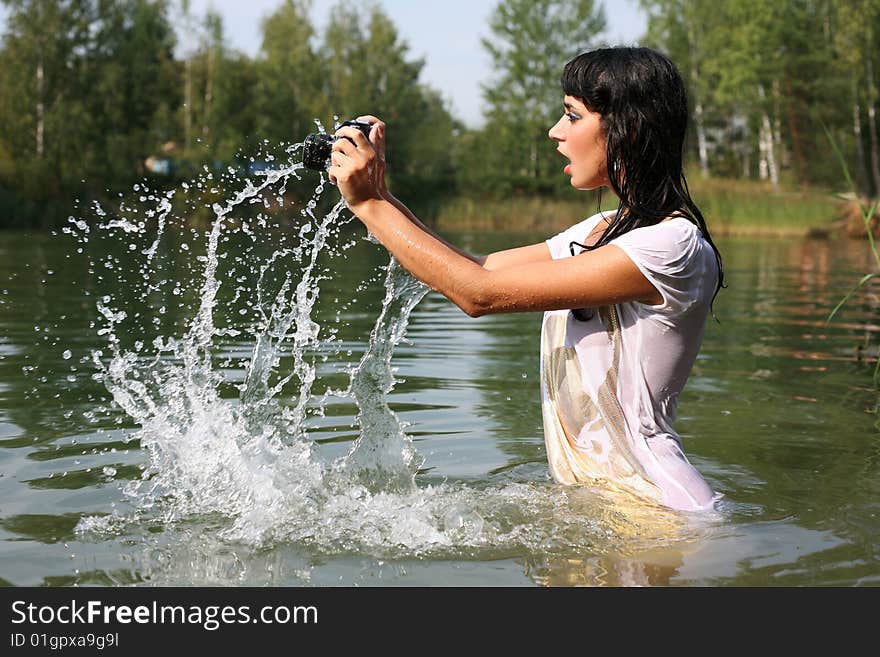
x=475 y=295
x=473 y=310
x=476 y=303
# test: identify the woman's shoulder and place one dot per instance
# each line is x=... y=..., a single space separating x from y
x=680 y=227
x=674 y=246
x=675 y=235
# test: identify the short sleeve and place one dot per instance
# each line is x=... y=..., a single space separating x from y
x=675 y=259
x=559 y=244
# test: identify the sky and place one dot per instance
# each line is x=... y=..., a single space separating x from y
x=446 y=34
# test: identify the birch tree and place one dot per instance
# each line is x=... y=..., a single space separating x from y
x=530 y=42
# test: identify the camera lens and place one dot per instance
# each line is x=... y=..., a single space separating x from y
x=316 y=151
x=317 y=146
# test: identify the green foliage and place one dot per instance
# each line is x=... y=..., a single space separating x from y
x=110 y=94
x=867 y=213
x=84 y=84
x=799 y=65
x=288 y=75
x=530 y=43
x=367 y=71
x=91 y=89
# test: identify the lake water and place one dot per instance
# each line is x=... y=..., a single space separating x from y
x=778 y=415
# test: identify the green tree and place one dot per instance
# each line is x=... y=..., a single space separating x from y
x=530 y=42
x=41 y=104
x=683 y=29
x=857 y=23
x=368 y=70
x=288 y=96
x=83 y=83
x=132 y=83
x=219 y=116
x=762 y=71
x=234 y=114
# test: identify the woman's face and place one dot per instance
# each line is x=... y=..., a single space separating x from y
x=580 y=139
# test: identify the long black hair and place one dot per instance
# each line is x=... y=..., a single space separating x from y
x=642 y=102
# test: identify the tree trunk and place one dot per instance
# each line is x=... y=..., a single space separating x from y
x=861 y=163
x=699 y=122
x=209 y=93
x=762 y=155
x=872 y=128
x=701 y=139
x=799 y=161
x=702 y=148
x=533 y=157
x=784 y=154
x=187 y=105
x=41 y=120
x=765 y=138
x=768 y=159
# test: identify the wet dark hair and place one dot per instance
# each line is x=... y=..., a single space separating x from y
x=642 y=102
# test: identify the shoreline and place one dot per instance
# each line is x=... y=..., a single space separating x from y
x=732 y=208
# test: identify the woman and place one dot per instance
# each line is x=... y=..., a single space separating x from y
x=625 y=294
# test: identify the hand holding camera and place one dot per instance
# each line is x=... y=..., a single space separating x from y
x=317 y=146
x=356 y=164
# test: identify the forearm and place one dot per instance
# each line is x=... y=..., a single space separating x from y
x=480 y=260
x=516 y=280
x=446 y=269
x=596 y=278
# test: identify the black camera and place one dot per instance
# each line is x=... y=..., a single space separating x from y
x=316 y=147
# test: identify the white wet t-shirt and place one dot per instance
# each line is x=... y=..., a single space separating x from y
x=610 y=383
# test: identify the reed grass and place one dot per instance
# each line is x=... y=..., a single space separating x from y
x=731 y=207
x=739 y=207
x=867 y=211
x=526 y=214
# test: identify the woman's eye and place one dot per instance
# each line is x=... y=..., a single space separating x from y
x=572 y=116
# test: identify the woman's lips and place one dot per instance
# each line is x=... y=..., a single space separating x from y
x=567 y=168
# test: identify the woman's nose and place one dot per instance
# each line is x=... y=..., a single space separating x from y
x=556 y=132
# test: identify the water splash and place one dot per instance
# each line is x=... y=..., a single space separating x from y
x=383 y=457
x=248 y=460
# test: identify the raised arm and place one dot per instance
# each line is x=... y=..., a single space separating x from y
x=599 y=277
x=493 y=261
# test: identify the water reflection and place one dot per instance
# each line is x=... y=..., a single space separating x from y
x=654 y=569
x=777 y=415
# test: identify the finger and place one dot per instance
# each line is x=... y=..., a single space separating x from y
x=352 y=158
x=339 y=160
x=377 y=137
x=343 y=165
x=360 y=142
x=361 y=155
x=377 y=132
x=343 y=146
x=372 y=120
